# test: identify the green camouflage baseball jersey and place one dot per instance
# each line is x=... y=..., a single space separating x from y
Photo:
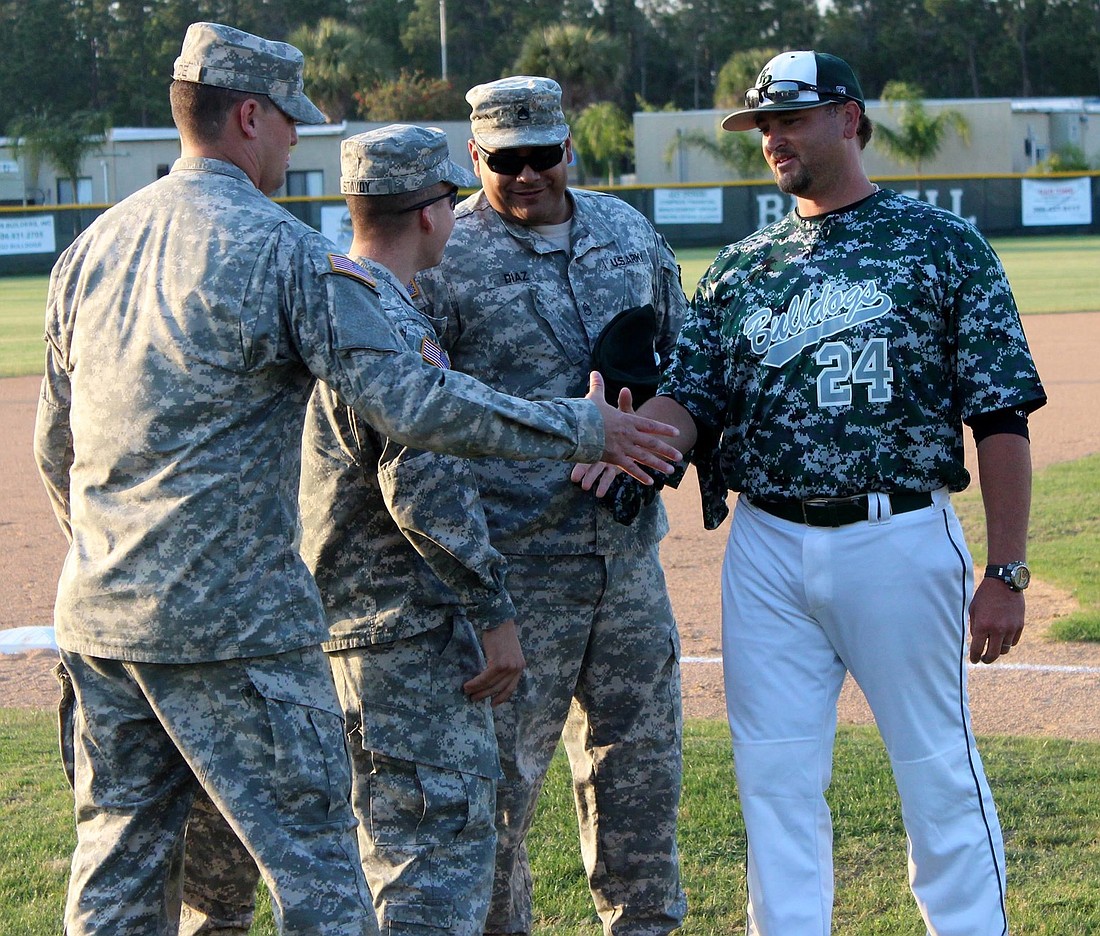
x=840 y=354
x=185 y=328
x=395 y=537
x=522 y=316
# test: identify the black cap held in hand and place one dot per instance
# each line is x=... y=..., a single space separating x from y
x=623 y=353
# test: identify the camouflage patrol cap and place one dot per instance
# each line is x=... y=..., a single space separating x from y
x=225 y=57
x=519 y=111
x=396 y=159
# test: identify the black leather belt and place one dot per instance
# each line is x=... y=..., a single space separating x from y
x=837 y=511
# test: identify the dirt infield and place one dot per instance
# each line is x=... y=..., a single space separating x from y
x=1042 y=688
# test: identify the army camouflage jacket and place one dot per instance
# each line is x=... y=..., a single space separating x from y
x=394 y=536
x=840 y=354
x=184 y=330
x=521 y=315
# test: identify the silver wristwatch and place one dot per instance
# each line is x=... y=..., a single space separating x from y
x=1016 y=575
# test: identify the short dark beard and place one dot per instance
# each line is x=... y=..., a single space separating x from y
x=797 y=184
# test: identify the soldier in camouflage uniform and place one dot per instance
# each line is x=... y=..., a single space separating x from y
x=185 y=329
x=533 y=273
x=397 y=541
x=829 y=363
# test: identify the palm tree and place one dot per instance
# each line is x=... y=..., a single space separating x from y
x=604 y=133
x=920 y=134
x=739 y=152
x=340 y=60
x=739 y=74
x=64 y=141
x=585 y=62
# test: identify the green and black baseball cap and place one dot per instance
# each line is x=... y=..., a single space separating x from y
x=796 y=81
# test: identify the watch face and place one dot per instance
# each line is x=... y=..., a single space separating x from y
x=1016 y=575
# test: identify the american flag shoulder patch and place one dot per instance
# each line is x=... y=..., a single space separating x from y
x=433 y=354
x=345 y=266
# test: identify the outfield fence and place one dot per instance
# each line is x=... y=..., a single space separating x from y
x=688 y=215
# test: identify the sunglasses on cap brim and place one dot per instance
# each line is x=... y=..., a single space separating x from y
x=787 y=91
x=510 y=163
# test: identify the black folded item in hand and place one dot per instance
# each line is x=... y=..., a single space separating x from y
x=624 y=354
x=626 y=496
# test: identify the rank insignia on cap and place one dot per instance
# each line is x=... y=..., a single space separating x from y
x=433 y=354
x=345 y=266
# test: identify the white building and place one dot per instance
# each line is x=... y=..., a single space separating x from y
x=132 y=157
x=1006 y=136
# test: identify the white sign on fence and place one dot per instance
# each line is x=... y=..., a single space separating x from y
x=687 y=206
x=1056 y=201
x=336 y=225
x=31 y=235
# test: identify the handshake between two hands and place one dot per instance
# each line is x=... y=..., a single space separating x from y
x=635 y=445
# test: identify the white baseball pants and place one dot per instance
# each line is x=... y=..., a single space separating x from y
x=887 y=601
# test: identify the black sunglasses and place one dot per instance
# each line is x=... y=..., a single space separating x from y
x=510 y=163
x=788 y=90
x=452 y=195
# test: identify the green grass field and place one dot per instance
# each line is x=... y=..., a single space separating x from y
x=22 y=306
x=1048 y=794
x=1063 y=540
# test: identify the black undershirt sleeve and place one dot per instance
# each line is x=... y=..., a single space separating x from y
x=1011 y=421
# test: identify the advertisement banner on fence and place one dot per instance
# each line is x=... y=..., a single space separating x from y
x=336 y=225
x=687 y=206
x=1056 y=201
x=32 y=235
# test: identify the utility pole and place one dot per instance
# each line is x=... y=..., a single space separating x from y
x=443 y=38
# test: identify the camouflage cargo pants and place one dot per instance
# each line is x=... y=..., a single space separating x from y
x=261 y=737
x=603 y=664
x=219 y=876
x=424 y=766
x=424 y=770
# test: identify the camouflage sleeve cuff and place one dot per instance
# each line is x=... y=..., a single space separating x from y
x=491 y=613
x=590 y=435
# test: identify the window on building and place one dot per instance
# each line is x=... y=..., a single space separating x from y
x=309 y=183
x=162 y=170
x=83 y=191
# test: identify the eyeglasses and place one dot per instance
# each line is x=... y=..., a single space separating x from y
x=788 y=90
x=510 y=163
x=452 y=195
